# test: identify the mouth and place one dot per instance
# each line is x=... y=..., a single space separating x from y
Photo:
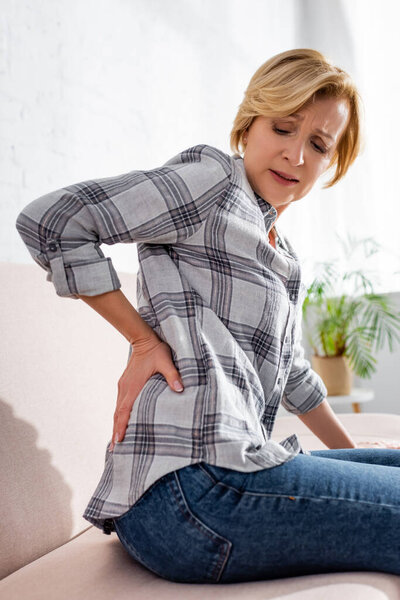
x=285 y=175
x=284 y=178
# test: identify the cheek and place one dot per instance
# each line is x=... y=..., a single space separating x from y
x=318 y=170
x=310 y=180
x=324 y=165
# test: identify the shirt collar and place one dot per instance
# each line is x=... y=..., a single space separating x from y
x=269 y=212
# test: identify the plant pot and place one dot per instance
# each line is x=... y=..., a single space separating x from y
x=335 y=373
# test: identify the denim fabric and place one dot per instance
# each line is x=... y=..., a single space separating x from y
x=330 y=511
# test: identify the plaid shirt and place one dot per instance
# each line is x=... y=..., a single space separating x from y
x=212 y=286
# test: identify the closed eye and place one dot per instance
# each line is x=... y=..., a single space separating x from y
x=284 y=132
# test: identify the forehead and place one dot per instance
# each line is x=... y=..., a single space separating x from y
x=327 y=116
x=324 y=106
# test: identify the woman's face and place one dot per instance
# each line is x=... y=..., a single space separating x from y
x=293 y=145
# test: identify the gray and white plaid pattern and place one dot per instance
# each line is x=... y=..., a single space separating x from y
x=212 y=287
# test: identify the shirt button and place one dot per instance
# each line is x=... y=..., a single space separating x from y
x=53 y=247
x=279 y=381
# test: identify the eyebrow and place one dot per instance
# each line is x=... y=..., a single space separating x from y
x=300 y=117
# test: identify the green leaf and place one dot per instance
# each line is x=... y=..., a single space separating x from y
x=353 y=324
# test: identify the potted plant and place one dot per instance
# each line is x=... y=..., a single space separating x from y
x=343 y=319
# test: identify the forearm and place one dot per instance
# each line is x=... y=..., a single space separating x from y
x=116 y=309
x=323 y=422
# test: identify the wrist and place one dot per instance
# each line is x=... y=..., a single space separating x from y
x=148 y=337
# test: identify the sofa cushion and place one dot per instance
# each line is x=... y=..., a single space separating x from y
x=60 y=365
x=95 y=566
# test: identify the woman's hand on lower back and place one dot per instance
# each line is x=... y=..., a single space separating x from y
x=149 y=356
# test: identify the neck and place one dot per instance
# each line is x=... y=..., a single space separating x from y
x=279 y=210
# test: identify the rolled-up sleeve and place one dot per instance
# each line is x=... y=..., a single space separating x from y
x=64 y=229
x=304 y=388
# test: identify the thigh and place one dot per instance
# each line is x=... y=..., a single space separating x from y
x=374 y=456
x=310 y=515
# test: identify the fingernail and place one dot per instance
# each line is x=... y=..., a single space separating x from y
x=114 y=441
x=178 y=386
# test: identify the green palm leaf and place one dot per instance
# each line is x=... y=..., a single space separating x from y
x=349 y=324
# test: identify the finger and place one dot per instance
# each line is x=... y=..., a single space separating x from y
x=128 y=391
x=114 y=440
x=393 y=444
x=122 y=419
x=174 y=380
x=366 y=444
x=119 y=430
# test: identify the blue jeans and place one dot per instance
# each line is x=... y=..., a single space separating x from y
x=331 y=511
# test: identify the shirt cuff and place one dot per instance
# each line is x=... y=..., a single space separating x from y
x=88 y=277
x=300 y=399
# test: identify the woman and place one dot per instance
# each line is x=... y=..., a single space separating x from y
x=193 y=485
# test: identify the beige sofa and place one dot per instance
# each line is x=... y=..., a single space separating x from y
x=60 y=363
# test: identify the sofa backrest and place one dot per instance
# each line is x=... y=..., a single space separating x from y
x=60 y=362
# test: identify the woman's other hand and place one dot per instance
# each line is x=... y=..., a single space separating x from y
x=149 y=356
x=380 y=444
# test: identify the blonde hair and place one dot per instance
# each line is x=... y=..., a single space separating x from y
x=287 y=82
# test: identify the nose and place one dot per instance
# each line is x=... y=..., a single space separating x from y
x=294 y=152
